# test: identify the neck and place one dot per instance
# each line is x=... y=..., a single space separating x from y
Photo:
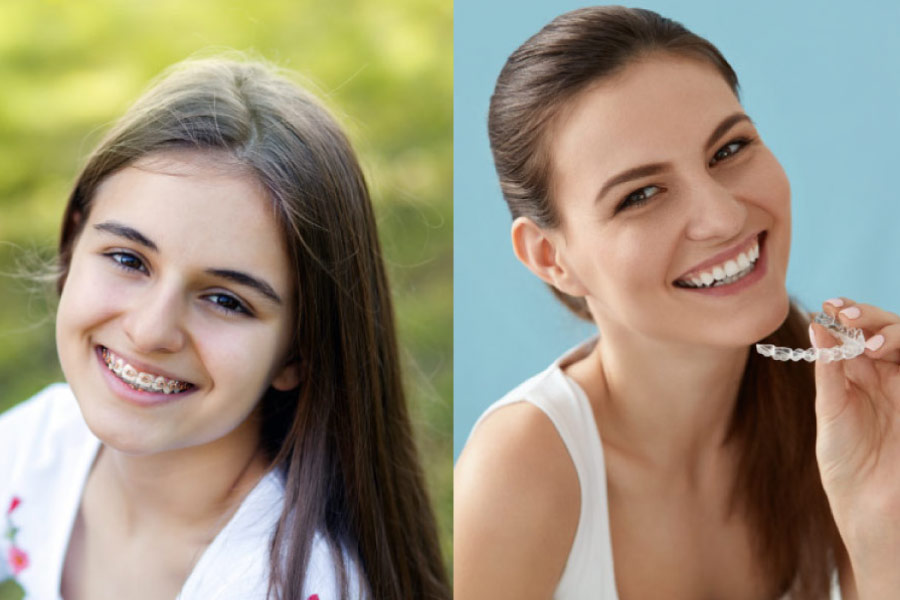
x=667 y=405
x=193 y=489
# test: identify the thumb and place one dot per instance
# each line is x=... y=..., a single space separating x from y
x=830 y=396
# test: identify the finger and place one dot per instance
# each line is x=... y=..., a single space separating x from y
x=866 y=317
x=884 y=344
x=833 y=305
x=862 y=372
x=830 y=380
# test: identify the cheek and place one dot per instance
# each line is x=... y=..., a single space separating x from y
x=637 y=257
x=766 y=185
x=769 y=189
x=778 y=190
x=237 y=357
x=628 y=266
x=89 y=297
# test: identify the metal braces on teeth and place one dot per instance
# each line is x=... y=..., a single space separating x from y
x=853 y=343
x=142 y=381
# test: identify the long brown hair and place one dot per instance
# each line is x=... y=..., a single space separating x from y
x=342 y=439
x=777 y=484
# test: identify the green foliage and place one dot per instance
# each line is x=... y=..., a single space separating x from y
x=385 y=66
x=10 y=590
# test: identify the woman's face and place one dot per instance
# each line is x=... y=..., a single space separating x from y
x=180 y=273
x=661 y=180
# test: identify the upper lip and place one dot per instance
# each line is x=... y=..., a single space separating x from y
x=146 y=367
x=724 y=255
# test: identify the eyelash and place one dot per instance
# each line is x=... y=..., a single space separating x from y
x=628 y=203
x=120 y=257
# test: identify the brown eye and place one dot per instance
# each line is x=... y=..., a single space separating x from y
x=127 y=261
x=228 y=304
x=728 y=150
x=638 y=197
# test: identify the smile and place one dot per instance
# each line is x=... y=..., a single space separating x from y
x=726 y=271
x=140 y=380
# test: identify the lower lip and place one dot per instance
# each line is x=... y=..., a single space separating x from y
x=741 y=284
x=132 y=395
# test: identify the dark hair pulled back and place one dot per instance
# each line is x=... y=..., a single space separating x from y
x=777 y=484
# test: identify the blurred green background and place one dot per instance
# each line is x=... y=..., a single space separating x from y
x=70 y=69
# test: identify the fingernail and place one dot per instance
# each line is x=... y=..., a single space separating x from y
x=850 y=312
x=835 y=302
x=875 y=342
x=812 y=336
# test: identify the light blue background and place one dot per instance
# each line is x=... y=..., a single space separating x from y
x=822 y=82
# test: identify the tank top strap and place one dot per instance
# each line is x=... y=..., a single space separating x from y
x=589 y=569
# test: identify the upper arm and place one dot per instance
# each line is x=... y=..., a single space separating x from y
x=516 y=507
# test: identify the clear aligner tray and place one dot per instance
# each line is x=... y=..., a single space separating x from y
x=853 y=343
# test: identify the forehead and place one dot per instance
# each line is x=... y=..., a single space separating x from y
x=654 y=109
x=197 y=208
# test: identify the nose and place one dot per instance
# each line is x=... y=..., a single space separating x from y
x=715 y=212
x=153 y=322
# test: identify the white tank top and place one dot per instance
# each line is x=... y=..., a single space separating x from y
x=589 y=568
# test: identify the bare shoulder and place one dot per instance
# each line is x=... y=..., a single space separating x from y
x=516 y=507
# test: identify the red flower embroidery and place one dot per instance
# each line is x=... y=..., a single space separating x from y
x=16 y=501
x=313 y=597
x=18 y=560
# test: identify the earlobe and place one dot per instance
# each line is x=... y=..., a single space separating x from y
x=288 y=378
x=538 y=250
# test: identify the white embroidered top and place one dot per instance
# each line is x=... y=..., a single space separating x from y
x=46 y=453
x=588 y=572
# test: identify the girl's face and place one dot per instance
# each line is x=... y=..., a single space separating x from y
x=181 y=274
x=660 y=180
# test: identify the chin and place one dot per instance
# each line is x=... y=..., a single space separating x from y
x=780 y=311
x=765 y=321
x=117 y=433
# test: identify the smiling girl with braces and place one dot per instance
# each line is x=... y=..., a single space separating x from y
x=234 y=415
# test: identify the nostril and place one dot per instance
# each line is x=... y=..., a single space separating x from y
x=154 y=331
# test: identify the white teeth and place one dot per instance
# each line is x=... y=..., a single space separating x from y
x=731 y=268
x=129 y=374
x=729 y=272
x=140 y=380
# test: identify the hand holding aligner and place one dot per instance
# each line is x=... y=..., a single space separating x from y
x=852 y=344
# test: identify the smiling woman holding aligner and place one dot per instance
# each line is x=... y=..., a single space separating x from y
x=663 y=458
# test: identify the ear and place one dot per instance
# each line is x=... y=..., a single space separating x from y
x=288 y=378
x=541 y=251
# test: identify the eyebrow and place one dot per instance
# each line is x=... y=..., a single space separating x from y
x=238 y=277
x=656 y=168
x=244 y=279
x=129 y=233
